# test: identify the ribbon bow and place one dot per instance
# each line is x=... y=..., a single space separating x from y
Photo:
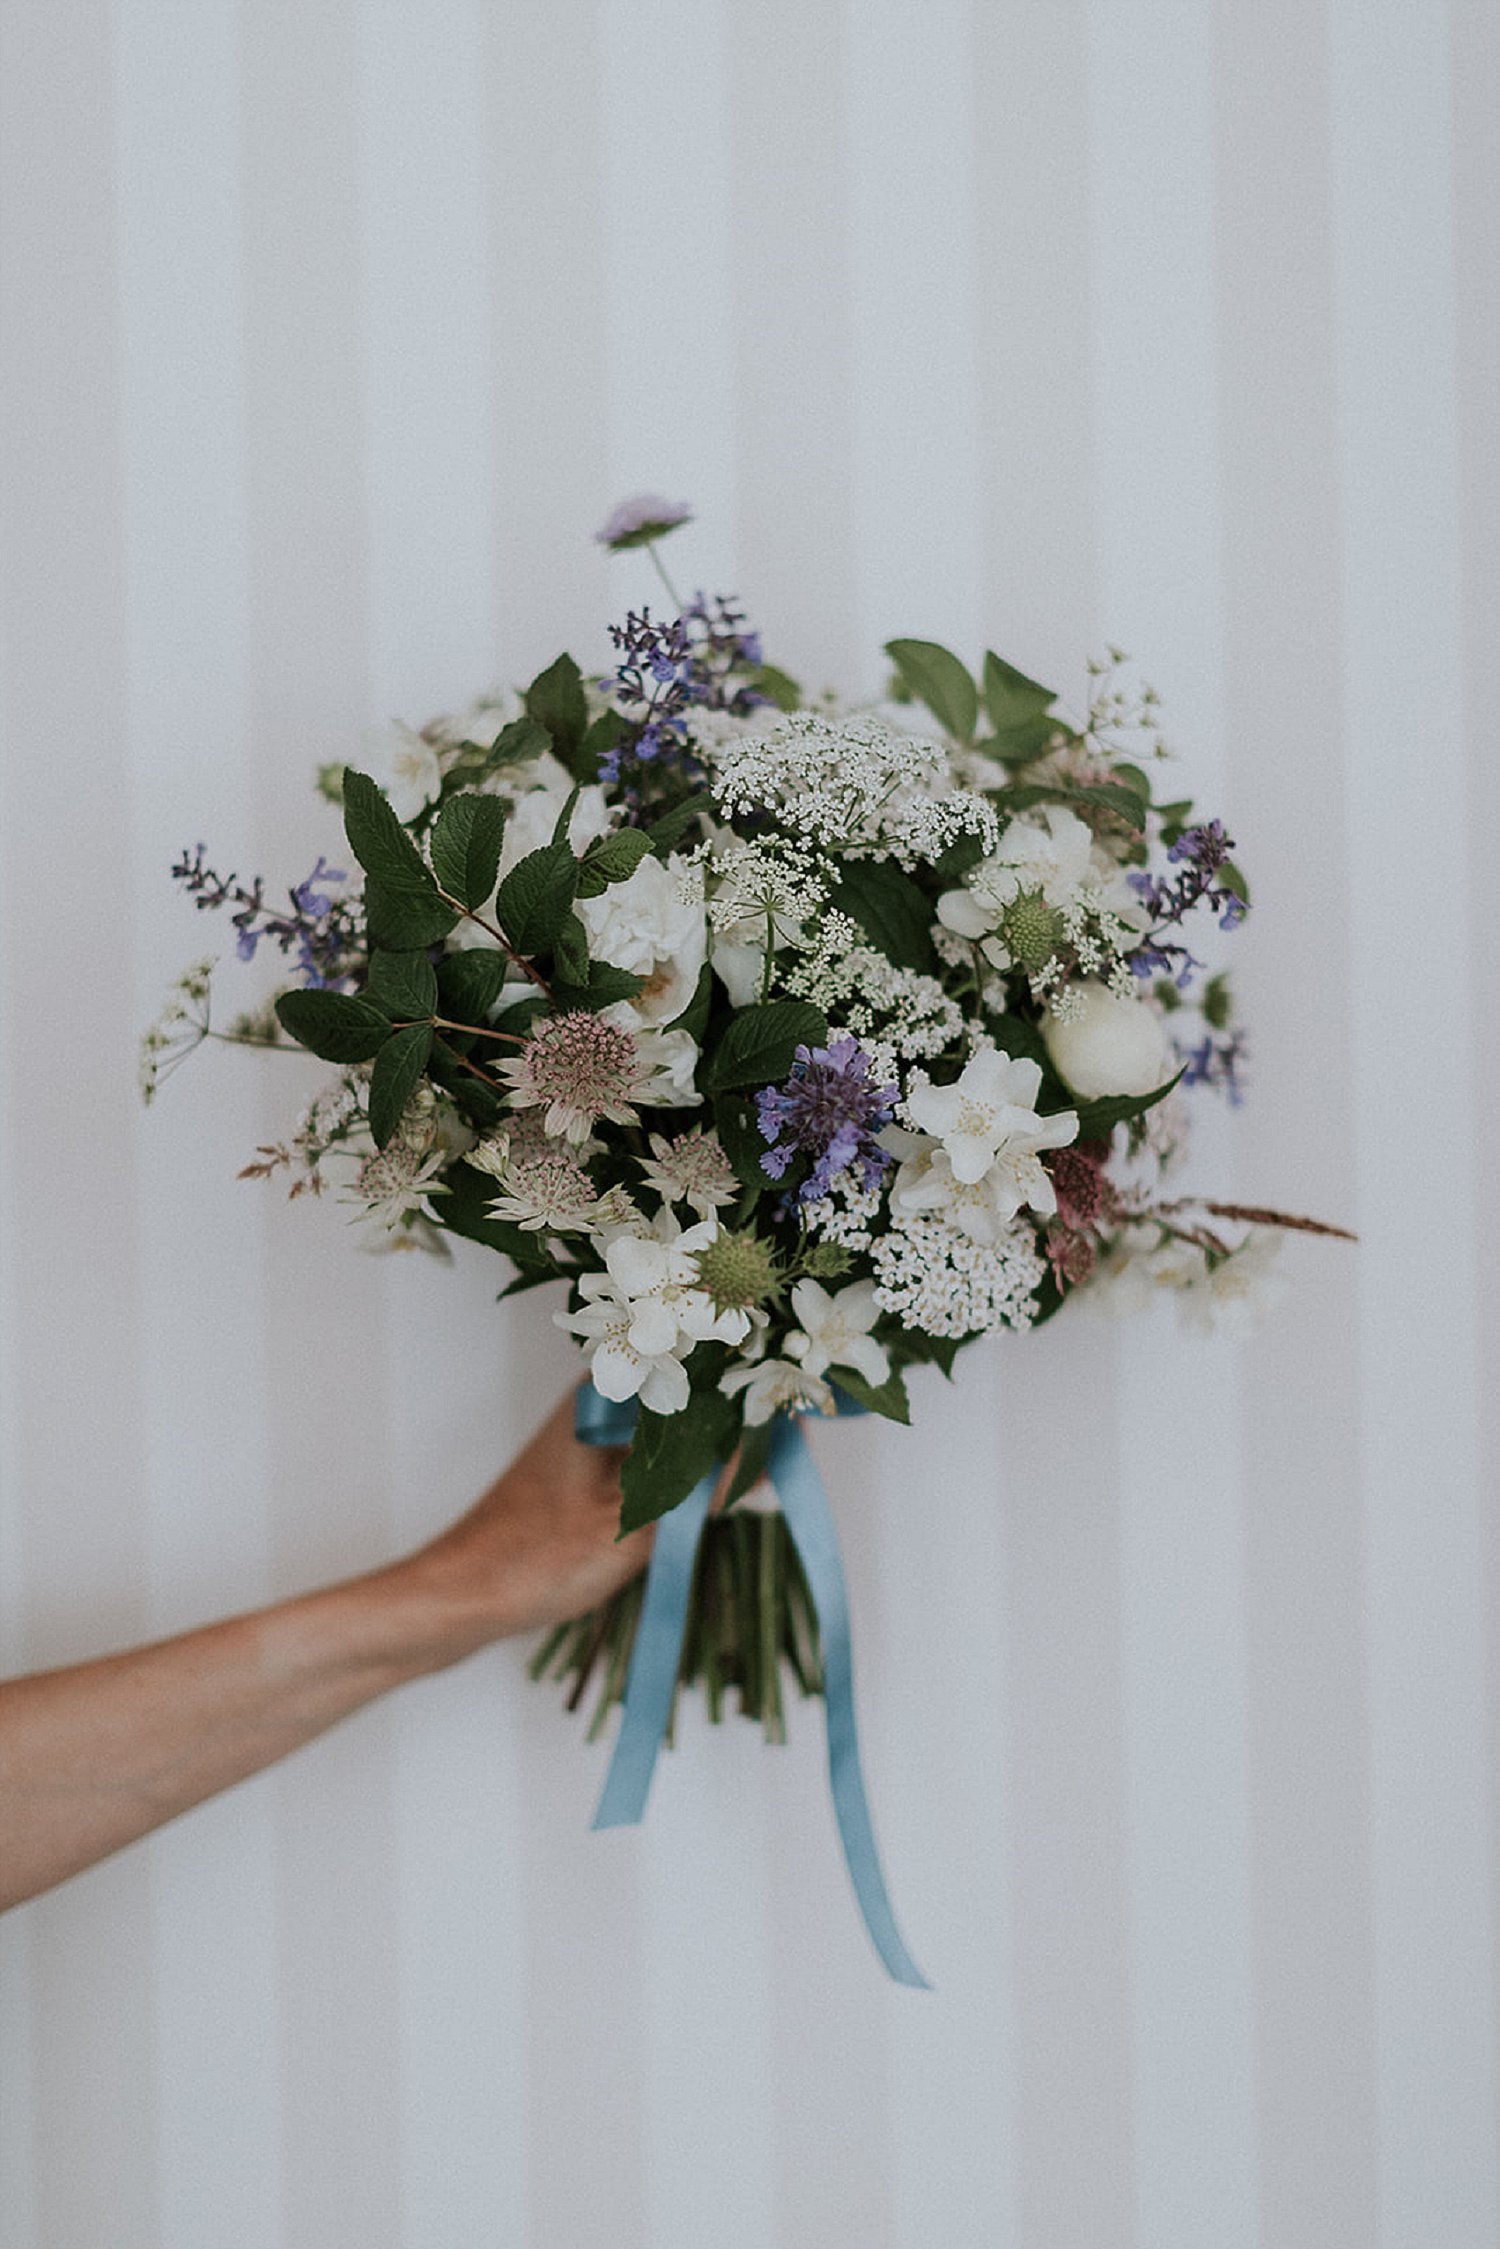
x=657 y=1654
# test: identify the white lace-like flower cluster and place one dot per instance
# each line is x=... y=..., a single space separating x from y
x=935 y=1277
x=897 y=1014
x=854 y=785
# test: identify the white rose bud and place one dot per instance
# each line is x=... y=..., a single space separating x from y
x=1106 y=1044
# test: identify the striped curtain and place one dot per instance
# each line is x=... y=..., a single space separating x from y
x=327 y=335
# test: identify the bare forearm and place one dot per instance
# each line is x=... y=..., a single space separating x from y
x=96 y=1755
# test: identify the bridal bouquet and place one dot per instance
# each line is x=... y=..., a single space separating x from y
x=801 y=1043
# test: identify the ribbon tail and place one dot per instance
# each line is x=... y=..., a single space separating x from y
x=804 y=1503
x=654 y=1659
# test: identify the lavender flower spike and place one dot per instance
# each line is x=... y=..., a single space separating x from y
x=828 y=1110
x=636 y=522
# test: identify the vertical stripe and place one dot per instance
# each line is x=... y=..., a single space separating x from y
x=1281 y=614
x=434 y=628
x=1159 y=531
x=1399 y=486
x=203 y=1379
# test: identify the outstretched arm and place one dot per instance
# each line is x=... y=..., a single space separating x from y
x=95 y=1755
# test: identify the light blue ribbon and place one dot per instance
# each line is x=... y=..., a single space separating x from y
x=657 y=1655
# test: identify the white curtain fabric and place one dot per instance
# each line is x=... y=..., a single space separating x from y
x=327 y=335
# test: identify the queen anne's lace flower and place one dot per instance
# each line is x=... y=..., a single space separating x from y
x=854 y=785
x=934 y=1277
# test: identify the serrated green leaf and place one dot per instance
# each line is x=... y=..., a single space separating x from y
x=937 y=678
x=536 y=898
x=380 y=843
x=760 y=1044
x=608 y=984
x=670 y=1453
x=570 y=955
x=398 y=1068
x=1097 y=1119
x=1104 y=796
x=616 y=857
x=470 y=982
x=894 y=914
x=888 y=1398
x=403 y=921
x=555 y=699
x=333 y=1025
x=1010 y=698
x=466 y=842
x=667 y=832
x=403 y=986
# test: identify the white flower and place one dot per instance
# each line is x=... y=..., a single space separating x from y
x=691 y=1169
x=671 y=1057
x=1052 y=857
x=653 y=925
x=406 y=765
x=776 y=1386
x=537 y=808
x=982 y=1208
x=1102 y=1043
x=645 y=1312
x=938 y=1279
x=853 y=785
x=834 y=1331
x=986 y=1121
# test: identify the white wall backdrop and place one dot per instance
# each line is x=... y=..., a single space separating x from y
x=328 y=334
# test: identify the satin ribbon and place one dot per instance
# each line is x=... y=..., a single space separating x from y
x=658 y=1652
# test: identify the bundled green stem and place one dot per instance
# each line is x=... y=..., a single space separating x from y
x=750 y=1615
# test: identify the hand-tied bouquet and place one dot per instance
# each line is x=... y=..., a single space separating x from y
x=804 y=1043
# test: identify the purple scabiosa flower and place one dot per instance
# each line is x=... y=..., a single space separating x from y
x=639 y=520
x=829 y=1110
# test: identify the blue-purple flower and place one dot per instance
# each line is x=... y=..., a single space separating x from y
x=828 y=1110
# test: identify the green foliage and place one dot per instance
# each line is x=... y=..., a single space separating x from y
x=465 y=1209
x=672 y=1452
x=611 y=859
x=570 y=954
x=403 y=986
x=1097 y=1119
x=380 y=843
x=668 y=831
x=937 y=678
x=743 y=1142
x=755 y=1458
x=555 y=699
x=1010 y=698
x=888 y=906
x=333 y=1025
x=465 y=847
x=1216 y=1005
x=602 y=736
x=470 y=982
x=536 y=898
x=917 y=1347
x=1104 y=796
x=406 y=920
x=827 y=1261
x=398 y=1067
x=607 y=984
x=888 y=1398
x=760 y=1044
x=777 y=686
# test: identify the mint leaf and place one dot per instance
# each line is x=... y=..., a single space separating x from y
x=402 y=985
x=398 y=1067
x=334 y=1025
x=465 y=846
x=380 y=843
x=760 y=1044
x=937 y=678
x=536 y=898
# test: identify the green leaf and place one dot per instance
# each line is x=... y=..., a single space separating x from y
x=742 y=1140
x=611 y=859
x=893 y=913
x=1011 y=700
x=777 y=686
x=888 y=1398
x=1016 y=747
x=1097 y=1119
x=466 y=841
x=603 y=734
x=755 y=1454
x=403 y=921
x=333 y=1025
x=555 y=699
x=1216 y=1005
x=570 y=955
x=536 y=898
x=1020 y=1039
x=402 y=985
x=1230 y=878
x=478 y=1103
x=380 y=843
x=760 y=1044
x=937 y=678
x=1131 y=777
x=470 y=981
x=1107 y=796
x=398 y=1067
x=667 y=832
x=519 y=742
x=607 y=984
x=671 y=1452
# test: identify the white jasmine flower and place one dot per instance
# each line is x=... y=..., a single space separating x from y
x=834 y=1330
x=1105 y=1043
x=777 y=1386
x=670 y=1057
x=986 y=1120
x=982 y=1208
x=653 y=925
x=644 y=1313
x=1051 y=859
x=691 y=1169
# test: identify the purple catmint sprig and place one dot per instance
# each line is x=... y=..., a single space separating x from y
x=1201 y=854
x=699 y=660
x=320 y=926
x=829 y=1110
x=1215 y=1062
